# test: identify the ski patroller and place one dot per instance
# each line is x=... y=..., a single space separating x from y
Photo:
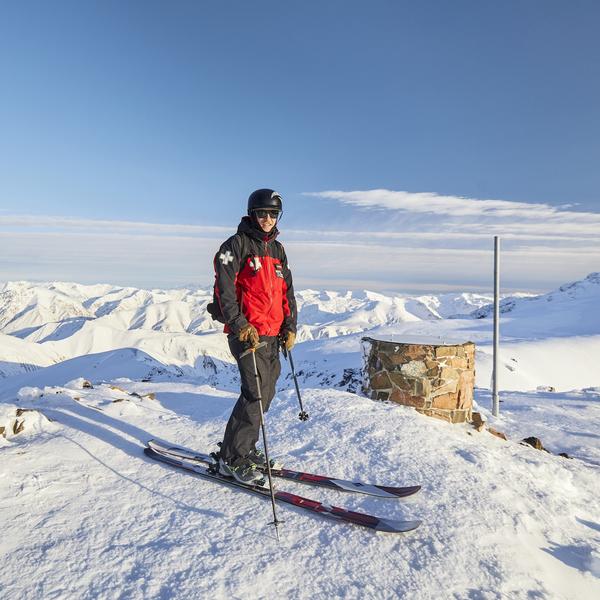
x=325 y=510
x=381 y=491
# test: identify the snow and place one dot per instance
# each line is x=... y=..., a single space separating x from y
x=18 y=356
x=86 y=515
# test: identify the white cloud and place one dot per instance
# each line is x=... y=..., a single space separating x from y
x=461 y=214
x=412 y=258
x=111 y=226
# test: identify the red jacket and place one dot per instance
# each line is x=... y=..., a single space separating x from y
x=253 y=283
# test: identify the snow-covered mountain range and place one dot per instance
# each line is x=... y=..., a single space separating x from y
x=51 y=322
x=55 y=311
x=43 y=324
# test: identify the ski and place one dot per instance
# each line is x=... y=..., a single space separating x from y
x=325 y=510
x=381 y=491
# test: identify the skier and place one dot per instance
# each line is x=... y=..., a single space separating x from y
x=255 y=298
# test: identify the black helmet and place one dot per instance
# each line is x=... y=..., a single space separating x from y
x=264 y=198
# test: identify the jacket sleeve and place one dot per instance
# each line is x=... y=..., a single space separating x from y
x=227 y=265
x=290 y=311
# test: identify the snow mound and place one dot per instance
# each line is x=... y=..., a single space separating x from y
x=26 y=423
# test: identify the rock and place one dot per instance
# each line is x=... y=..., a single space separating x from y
x=461 y=416
x=397 y=359
x=478 y=421
x=443 y=415
x=383 y=361
x=415 y=352
x=450 y=416
x=401 y=381
x=3 y=431
x=21 y=411
x=150 y=396
x=447 y=401
x=407 y=399
x=351 y=381
x=465 y=398
x=448 y=387
x=534 y=443
x=563 y=454
x=18 y=426
x=499 y=434
x=414 y=368
x=381 y=381
x=448 y=374
x=422 y=387
x=458 y=363
x=209 y=364
x=436 y=380
x=87 y=385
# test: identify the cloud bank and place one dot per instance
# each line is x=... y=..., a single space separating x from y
x=459 y=214
x=405 y=243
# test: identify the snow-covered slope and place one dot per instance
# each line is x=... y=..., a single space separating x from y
x=24 y=307
x=87 y=515
x=572 y=309
x=18 y=356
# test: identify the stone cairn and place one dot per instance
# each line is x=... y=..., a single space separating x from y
x=437 y=379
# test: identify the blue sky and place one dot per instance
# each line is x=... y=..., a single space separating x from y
x=132 y=133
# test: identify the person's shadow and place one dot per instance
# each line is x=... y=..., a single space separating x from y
x=94 y=422
x=131 y=440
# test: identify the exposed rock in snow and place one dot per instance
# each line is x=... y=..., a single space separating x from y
x=21 y=421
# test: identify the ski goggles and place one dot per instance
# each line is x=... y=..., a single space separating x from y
x=263 y=214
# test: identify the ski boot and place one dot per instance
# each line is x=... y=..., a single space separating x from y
x=257 y=456
x=242 y=470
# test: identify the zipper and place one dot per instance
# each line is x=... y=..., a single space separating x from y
x=270 y=278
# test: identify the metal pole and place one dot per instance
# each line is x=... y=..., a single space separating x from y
x=264 y=435
x=495 y=399
x=303 y=416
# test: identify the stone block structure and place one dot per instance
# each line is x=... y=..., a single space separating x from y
x=436 y=379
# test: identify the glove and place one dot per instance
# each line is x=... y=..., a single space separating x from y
x=288 y=339
x=249 y=335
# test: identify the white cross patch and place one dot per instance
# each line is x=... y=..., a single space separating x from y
x=226 y=258
x=256 y=263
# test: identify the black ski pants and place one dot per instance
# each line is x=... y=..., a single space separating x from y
x=243 y=427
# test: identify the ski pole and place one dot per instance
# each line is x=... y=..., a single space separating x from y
x=303 y=416
x=252 y=351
